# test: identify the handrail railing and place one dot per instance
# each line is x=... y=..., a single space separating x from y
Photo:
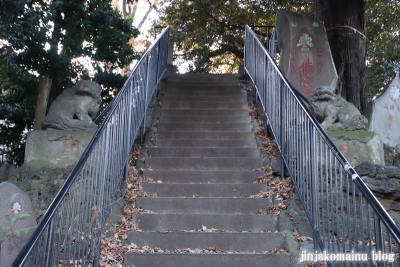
x=346 y=218
x=69 y=233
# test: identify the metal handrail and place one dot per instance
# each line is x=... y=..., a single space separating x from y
x=70 y=231
x=343 y=212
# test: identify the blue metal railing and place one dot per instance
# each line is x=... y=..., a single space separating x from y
x=70 y=231
x=344 y=214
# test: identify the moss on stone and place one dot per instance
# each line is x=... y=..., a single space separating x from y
x=362 y=136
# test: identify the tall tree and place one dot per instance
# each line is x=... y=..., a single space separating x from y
x=345 y=24
x=63 y=40
x=383 y=43
x=210 y=32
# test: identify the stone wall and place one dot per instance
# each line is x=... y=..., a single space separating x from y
x=384 y=182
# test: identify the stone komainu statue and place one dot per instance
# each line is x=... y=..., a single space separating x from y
x=75 y=108
x=334 y=112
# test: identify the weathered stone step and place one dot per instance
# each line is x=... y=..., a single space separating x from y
x=187 y=222
x=191 y=77
x=206 y=205
x=195 y=82
x=203 y=176
x=204 y=164
x=204 y=86
x=203 y=152
x=205 y=119
x=242 y=242
x=196 y=92
x=204 y=135
x=200 y=105
x=208 y=98
x=203 y=190
x=205 y=143
x=209 y=260
x=204 y=127
x=204 y=112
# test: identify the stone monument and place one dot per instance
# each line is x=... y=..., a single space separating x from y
x=17 y=222
x=305 y=56
x=68 y=127
x=384 y=113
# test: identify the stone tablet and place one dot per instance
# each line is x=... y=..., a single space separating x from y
x=305 y=56
x=17 y=222
x=385 y=114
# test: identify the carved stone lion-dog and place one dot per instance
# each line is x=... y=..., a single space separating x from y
x=75 y=108
x=334 y=112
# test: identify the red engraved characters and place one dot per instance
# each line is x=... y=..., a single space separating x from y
x=306 y=78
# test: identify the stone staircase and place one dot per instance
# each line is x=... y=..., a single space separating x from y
x=204 y=159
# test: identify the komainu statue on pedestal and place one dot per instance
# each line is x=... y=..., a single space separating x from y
x=75 y=108
x=334 y=112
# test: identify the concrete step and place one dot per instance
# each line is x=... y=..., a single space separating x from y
x=208 y=98
x=195 y=77
x=204 y=127
x=204 y=112
x=197 y=152
x=204 y=86
x=204 y=135
x=249 y=242
x=209 y=260
x=196 y=92
x=187 y=222
x=204 y=164
x=203 y=176
x=204 y=205
x=201 y=105
x=205 y=119
x=206 y=143
x=203 y=190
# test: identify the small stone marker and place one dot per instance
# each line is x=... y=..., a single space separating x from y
x=305 y=56
x=385 y=114
x=17 y=222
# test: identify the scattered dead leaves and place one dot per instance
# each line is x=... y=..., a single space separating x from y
x=275 y=251
x=112 y=251
x=274 y=209
x=311 y=264
x=135 y=153
x=302 y=238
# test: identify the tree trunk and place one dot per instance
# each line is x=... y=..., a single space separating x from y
x=345 y=24
x=41 y=103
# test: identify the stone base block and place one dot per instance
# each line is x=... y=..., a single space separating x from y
x=359 y=146
x=54 y=148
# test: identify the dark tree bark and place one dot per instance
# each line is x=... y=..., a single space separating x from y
x=345 y=24
x=41 y=103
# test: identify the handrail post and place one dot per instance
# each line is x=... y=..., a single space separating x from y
x=314 y=190
x=49 y=247
x=146 y=96
x=255 y=68
x=378 y=238
x=281 y=131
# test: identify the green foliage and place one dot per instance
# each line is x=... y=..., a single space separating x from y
x=383 y=43
x=64 y=40
x=210 y=32
x=203 y=35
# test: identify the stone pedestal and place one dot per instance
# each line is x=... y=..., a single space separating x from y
x=55 y=148
x=359 y=146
